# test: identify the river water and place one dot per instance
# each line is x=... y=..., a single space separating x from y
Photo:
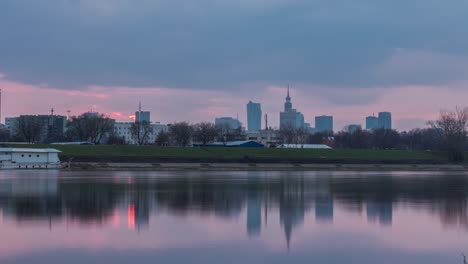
x=232 y=217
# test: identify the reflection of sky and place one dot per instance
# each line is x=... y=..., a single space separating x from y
x=139 y=230
x=411 y=235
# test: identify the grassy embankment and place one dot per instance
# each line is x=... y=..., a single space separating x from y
x=221 y=154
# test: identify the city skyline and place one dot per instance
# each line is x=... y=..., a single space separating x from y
x=339 y=122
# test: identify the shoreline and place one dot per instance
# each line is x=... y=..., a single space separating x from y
x=259 y=167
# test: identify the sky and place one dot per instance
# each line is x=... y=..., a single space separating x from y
x=193 y=61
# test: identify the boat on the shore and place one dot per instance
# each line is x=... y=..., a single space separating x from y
x=28 y=158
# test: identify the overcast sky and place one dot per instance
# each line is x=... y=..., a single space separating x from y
x=195 y=60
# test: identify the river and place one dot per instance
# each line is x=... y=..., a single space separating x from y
x=232 y=217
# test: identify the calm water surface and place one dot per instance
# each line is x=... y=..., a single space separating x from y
x=232 y=217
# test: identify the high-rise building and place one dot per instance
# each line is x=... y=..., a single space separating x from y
x=228 y=123
x=324 y=124
x=385 y=120
x=291 y=117
x=142 y=116
x=372 y=122
x=254 y=116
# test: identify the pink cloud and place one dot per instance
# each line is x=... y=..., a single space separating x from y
x=167 y=105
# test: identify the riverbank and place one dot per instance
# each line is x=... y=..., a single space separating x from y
x=261 y=167
x=152 y=154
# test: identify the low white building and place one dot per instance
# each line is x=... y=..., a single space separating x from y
x=123 y=130
x=24 y=158
x=267 y=138
x=305 y=146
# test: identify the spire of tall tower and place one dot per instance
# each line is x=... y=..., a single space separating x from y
x=139 y=107
x=288 y=104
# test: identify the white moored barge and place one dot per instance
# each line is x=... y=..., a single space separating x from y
x=24 y=158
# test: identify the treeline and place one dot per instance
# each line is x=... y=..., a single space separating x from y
x=447 y=133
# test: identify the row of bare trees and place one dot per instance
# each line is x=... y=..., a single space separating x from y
x=89 y=127
x=183 y=134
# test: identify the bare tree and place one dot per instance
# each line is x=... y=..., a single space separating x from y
x=385 y=138
x=29 y=128
x=454 y=126
x=205 y=132
x=181 y=134
x=88 y=127
x=141 y=132
x=288 y=134
x=163 y=139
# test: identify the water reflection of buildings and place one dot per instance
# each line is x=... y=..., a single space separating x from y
x=254 y=216
x=381 y=211
x=324 y=208
x=95 y=201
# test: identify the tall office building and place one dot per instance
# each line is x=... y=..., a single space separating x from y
x=290 y=116
x=324 y=124
x=385 y=120
x=142 y=116
x=372 y=122
x=254 y=116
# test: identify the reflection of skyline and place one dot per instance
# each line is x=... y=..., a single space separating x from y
x=381 y=211
x=254 y=216
x=90 y=201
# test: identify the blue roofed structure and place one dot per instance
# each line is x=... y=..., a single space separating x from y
x=239 y=144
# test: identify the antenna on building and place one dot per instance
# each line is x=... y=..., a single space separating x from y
x=139 y=107
x=68 y=114
x=288 y=89
x=52 y=111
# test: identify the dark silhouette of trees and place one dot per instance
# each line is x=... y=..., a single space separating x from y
x=359 y=139
x=454 y=125
x=385 y=138
x=205 y=132
x=29 y=128
x=141 y=132
x=181 y=134
x=288 y=134
x=227 y=133
x=89 y=127
x=163 y=139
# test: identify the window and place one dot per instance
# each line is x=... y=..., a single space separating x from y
x=38 y=156
x=22 y=155
x=29 y=155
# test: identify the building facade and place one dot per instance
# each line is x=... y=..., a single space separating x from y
x=228 y=123
x=254 y=116
x=385 y=120
x=324 y=124
x=291 y=117
x=268 y=138
x=143 y=116
x=52 y=127
x=372 y=122
x=124 y=131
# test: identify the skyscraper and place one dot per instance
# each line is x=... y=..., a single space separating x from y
x=324 y=124
x=291 y=117
x=254 y=116
x=142 y=116
x=385 y=120
x=372 y=122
